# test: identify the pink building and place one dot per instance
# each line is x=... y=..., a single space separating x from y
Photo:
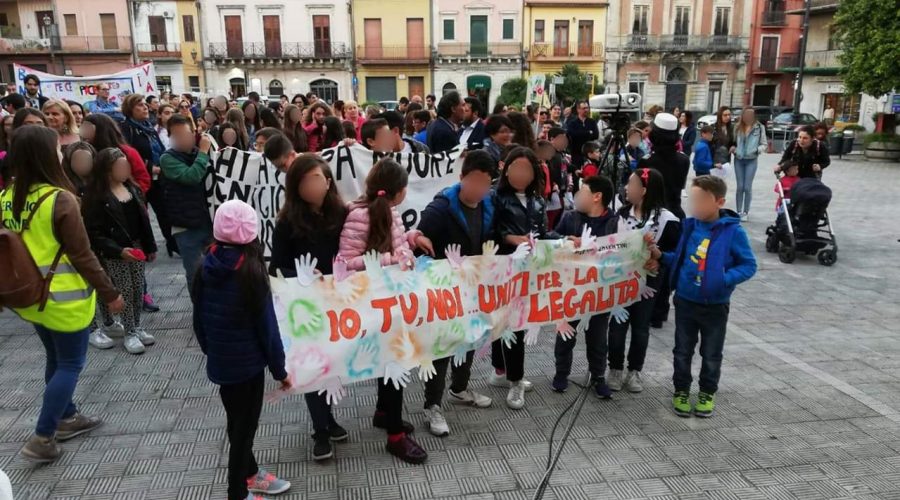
x=774 y=38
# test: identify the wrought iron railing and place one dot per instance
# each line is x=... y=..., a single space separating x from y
x=278 y=50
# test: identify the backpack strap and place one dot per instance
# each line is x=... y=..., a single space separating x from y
x=45 y=293
x=37 y=204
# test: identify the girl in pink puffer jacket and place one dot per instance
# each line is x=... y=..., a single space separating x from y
x=374 y=224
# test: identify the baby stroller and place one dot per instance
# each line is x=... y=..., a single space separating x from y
x=802 y=224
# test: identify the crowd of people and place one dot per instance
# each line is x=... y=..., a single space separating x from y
x=536 y=172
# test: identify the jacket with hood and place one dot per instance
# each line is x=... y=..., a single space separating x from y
x=444 y=222
x=711 y=259
x=572 y=224
x=184 y=176
x=703 y=159
x=751 y=145
x=356 y=233
x=107 y=225
x=238 y=344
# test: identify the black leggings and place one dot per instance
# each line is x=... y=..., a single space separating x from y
x=511 y=359
x=390 y=403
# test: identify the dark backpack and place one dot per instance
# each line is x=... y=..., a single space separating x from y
x=23 y=285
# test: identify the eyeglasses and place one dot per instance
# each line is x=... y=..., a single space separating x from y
x=185 y=106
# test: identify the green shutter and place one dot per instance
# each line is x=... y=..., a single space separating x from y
x=449 y=26
x=508 y=29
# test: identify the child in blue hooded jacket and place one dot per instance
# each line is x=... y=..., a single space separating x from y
x=711 y=259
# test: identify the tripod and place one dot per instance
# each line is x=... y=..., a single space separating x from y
x=610 y=164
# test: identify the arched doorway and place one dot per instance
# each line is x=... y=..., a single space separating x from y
x=676 y=88
x=326 y=90
x=448 y=87
x=238 y=87
x=276 y=87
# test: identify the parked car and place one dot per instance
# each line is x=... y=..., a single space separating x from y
x=388 y=105
x=706 y=120
x=787 y=123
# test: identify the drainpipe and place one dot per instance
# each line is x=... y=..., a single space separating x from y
x=132 y=5
x=798 y=92
x=354 y=88
x=431 y=51
x=205 y=85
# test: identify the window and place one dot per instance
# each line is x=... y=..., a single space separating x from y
x=585 y=38
x=682 y=21
x=157 y=25
x=509 y=29
x=449 y=29
x=641 y=23
x=721 y=26
x=45 y=21
x=164 y=83
x=834 y=41
x=560 y=38
x=322 y=35
x=71 y=24
x=448 y=87
x=637 y=88
x=194 y=83
x=327 y=90
x=187 y=24
x=539 y=30
x=4 y=20
x=276 y=87
x=109 y=30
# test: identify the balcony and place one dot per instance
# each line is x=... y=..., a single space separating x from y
x=773 y=18
x=798 y=7
x=159 y=50
x=682 y=43
x=566 y=52
x=764 y=65
x=393 y=54
x=271 y=51
x=818 y=62
x=66 y=45
x=486 y=51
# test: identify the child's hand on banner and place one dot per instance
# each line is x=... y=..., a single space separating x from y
x=587 y=241
x=647 y=292
x=426 y=370
x=339 y=269
x=521 y=252
x=565 y=330
x=333 y=390
x=489 y=248
x=396 y=374
x=454 y=255
x=532 y=333
x=508 y=338
x=306 y=270
x=619 y=314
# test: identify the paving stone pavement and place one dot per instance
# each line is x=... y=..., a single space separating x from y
x=809 y=405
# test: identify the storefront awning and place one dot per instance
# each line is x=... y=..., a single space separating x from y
x=478 y=82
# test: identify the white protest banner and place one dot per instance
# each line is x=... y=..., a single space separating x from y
x=136 y=80
x=384 y=322
x=251 y=178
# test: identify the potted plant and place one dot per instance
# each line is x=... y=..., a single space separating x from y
x=883 y=146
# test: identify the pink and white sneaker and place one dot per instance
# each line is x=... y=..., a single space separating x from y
x=267 y=483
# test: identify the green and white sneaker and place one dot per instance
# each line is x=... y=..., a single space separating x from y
x=706 y=404
x=681 y=403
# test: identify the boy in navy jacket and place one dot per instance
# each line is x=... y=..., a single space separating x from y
x=711 y=259
x=591 y=210
x=703 y=158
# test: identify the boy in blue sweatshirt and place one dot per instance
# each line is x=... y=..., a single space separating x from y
x=591 y=210
x=711 y=259
x=703 y=158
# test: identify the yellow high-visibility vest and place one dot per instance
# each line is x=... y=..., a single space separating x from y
x=72 y=302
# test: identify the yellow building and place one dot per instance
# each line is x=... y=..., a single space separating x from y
x=558 y=32
x=191 y=48
x=393 y=49
x=167 y=33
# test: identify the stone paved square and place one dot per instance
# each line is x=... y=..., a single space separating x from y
x=809 y=405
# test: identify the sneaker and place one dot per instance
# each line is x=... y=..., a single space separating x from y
x=515 y=399
x=706 y=404
x=149 y=306
x=253 y=496
x=266 y=482
x=337 y=433
x=133 y=344
x=76 y=425
x=501 y=381
x=681 y=403
x=471 y=398
x=100 y=340
x=437 y=424
x=41 y=449
x=114 y=330
x=143 y=336
x=602 y=389
x=407 y=449
x=322 y=449
x=560 y=383
x=633 y=382
x=615 y=380
x=380 y=421
x=745 y=217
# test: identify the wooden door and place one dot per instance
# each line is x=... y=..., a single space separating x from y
x=234 y=35
x=768 y=56
x=561 y=38
x=478 y=36
x=158 y=39
x=373 y=38
x=108 y=28
x=585 y=38
x=322 y=35
x=415 y=38
x=417 y=85
x=272 y=35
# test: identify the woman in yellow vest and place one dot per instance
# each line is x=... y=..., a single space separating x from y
x=64 y=325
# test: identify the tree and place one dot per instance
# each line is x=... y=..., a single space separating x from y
x=513 y=92
x=869 y=33
x=575 y=84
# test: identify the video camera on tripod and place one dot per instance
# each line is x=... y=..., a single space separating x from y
x=622 y=108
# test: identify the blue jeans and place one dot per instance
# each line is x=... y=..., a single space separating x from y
x=191 y=243
x=66 y=353
x=708 y=322
x=744 y=172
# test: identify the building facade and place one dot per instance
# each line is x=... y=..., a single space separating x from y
x=773 y=35
x=67 y=37
x=276 y=48
x=689 y=54
x=559 y=32
x=393 y=56
x=478 y=46
x=165 y=32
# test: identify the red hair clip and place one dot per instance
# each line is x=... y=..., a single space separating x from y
x=645 y=174
x=381 y=192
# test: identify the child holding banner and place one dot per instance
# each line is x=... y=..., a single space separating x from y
x=310 y=223
x=460 y=215
x=374 y=224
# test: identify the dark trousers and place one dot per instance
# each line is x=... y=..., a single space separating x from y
x=661 y=299
x=243 y=404
x=708 y=322
x=390 y=403
x=639 y=320
x=155 y=198
x=319 y=412
x=595 y=348
x=511 y=359
x=434 y=388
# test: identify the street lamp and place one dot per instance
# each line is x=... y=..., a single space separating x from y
x=48 y=25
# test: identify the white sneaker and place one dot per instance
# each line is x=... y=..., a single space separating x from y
x=515 y=399
x=115 y=330
x=143 y=336
x=98 y=339
x=614 y=380
x=437 y=424
x=501 y=381
x=745 y=217
x=633 y=382
x=471 y=398
x=133 y=344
